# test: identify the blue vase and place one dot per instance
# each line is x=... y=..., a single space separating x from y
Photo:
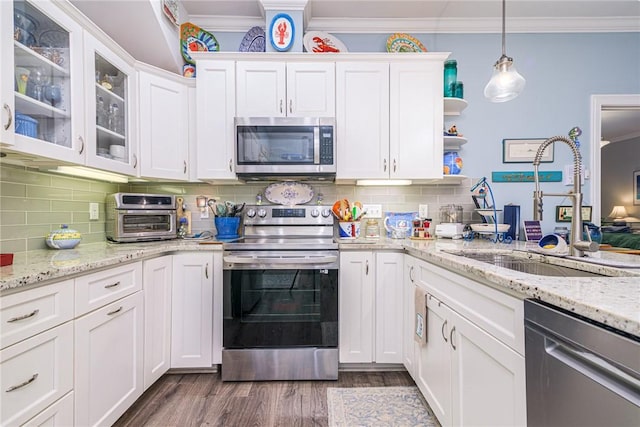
x=227 y=227
x=452 y=163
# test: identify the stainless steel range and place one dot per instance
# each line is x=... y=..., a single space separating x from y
x=281 y=296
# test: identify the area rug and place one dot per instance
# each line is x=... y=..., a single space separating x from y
x=379 y=407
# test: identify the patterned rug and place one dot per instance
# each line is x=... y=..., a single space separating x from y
x=379 y=407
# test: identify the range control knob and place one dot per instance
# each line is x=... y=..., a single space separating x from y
x=315 y=213
x=262 y=212
x=326 y=213
x=251 y=212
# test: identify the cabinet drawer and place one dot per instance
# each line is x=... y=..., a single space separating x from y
x=60 y=414
x=497 y=313
x=35 y=373
x=101 y=288
x=30 y=312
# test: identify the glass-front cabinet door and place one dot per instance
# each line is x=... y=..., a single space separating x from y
x=110 y=91
x=42 y=89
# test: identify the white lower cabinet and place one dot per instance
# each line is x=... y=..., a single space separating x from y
x=409 y=344
x=192 y=310
x=60 y=414
x=34 y=373
x=468 y=376
x=157 y=277
x=108 y=361
x=370 y=307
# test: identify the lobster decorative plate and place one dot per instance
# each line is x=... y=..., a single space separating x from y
x=320 y=42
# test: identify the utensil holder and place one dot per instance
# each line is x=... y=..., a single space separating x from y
x=227 y=227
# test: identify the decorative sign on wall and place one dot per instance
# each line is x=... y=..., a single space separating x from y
x=564 y=213
x=524 y=151
x=526 y=176
x=282 y=32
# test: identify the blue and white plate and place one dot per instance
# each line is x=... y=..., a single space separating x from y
x=289 y=193
x=253 y=41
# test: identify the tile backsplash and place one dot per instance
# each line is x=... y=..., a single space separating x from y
x=32 y=203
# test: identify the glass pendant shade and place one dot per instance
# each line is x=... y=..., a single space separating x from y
x=506 y=83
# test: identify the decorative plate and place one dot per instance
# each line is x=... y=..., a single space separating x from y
x=400 y=42
x=282 y=32
x=195 y=39
x=289 y=193
x=253 y=41
x=320 y=42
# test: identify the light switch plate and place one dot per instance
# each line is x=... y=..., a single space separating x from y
x=373 y=211
x=94 y=212
x=423 y=211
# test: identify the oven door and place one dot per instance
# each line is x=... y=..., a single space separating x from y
x=280 y=300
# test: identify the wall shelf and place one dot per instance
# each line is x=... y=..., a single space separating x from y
x=452 y=143
x=454 y=106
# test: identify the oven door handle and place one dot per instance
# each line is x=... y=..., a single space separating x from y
x=239 y=259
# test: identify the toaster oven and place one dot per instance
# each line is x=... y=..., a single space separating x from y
x=140 y=217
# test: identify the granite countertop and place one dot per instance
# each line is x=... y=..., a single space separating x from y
x=614 y=301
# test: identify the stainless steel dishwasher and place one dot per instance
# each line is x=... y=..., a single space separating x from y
x=579 y=372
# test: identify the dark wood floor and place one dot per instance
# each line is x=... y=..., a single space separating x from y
x=204 y=400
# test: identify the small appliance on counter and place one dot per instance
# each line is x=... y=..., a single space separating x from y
x=132 y=217
x=449 y=230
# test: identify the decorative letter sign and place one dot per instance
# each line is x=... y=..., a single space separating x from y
x=282 y=31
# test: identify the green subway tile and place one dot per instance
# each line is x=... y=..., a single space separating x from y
x=69 y=206
x=12 y=189
x=70 y=183
x=137 y=188
x=10 y=232
x=13 y=246
x=80 y=217
x=166 y=188
x=104 y=187
x=83 y=228
x=35 y=244
x=97 y=227
x=93 y=238
x=51 y=193
x=13 y=218
x=89 y=196
x=17 y=174
x=23 y=204
x=56 y=218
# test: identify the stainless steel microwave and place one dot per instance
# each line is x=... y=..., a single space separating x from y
x=285 y=147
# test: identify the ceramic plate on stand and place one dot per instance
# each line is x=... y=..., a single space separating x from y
x=400 y=42
x=320 y=42
x=195 y=39
x=289 y=193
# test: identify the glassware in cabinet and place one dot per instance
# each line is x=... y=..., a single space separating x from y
x=42 y=76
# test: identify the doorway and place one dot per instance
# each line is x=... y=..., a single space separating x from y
x=601 y=105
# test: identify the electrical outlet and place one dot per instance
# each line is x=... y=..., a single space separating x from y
x=204 y=213
x=423 y=211
x=568 y=175
x=94 y=211
x=373 y=211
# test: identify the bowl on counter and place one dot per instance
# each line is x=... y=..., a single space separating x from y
x=490 y=228
x=63 y=238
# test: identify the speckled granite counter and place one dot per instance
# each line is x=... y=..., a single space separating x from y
x=611 y=300
x=35 y=267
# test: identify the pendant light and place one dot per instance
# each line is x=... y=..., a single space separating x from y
x=506 y=83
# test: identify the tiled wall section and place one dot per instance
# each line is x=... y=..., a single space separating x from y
x=33 y=203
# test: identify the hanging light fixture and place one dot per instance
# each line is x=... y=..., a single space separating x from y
x=506 y=83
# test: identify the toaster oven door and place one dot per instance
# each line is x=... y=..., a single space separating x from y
x=139 y=225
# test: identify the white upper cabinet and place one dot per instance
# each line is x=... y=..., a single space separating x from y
x=415 y=120
x=41 y=88
x=215 y=110
x=279 y=89
x=389 y=119
x=362 y=120
x=111 y=110
x=164 y=126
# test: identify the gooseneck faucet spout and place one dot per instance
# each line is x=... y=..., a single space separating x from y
x=577 y=246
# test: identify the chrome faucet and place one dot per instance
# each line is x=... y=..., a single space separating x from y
x=577 y=246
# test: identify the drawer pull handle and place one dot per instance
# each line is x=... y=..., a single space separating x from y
x=444 y=325
x=118 y=310
x=206 y=271
x=25 y=316
x=113 y=285
x=27 y=382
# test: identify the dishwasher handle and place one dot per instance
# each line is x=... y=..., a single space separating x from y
x=239 y=259
x=596 y=368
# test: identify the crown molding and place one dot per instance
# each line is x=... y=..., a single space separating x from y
x=283 y=4
x=432 y=25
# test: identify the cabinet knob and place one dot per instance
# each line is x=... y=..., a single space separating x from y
x=291 y=106
x=81 y=139
x=444 y=337
x=451 y=337
x=9 y=116
x=135 y=161
x=385 y=165
x=116 y=311
x=27 y=382
x=230 y=165
x=394 y=165
x=184 y=169
x=24 y=316
x=281 y=106
x=206 y=271
x=366 y=268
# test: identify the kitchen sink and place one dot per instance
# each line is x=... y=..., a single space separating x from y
x=529 y=263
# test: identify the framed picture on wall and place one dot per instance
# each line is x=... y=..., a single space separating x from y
x=564 y=213
x=636 y=188
x=524 y=150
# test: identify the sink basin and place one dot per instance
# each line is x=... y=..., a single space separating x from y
x=531 y=264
